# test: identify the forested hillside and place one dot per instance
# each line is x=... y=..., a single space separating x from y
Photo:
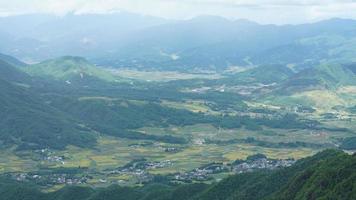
x=28 y=122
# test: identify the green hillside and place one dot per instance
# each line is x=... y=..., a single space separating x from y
x=70 y=69
x=330 y=76
x=28 y=122
x=330 y=178
x=265 y=74
x=323 y=176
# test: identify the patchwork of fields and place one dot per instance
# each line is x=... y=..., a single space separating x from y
x=174 y=126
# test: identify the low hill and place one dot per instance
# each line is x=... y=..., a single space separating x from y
x=70 y=69
x=311 y=86
x=329 y=76
x=265 y=74
x=327 y=175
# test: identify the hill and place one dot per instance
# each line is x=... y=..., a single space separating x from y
x=310 y=178
x=264 y=74
x=330 y=76
x=28 y=122
x=70 y=69
x=326 y=175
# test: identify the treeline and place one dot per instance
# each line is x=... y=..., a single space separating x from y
x=256 y=142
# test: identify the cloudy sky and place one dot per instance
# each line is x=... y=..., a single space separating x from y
x=263 y=11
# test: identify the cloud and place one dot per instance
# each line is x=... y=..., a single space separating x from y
x=263 y=11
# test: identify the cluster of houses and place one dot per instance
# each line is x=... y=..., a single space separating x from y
x=52 y=179
x=171 y=149
x=49 y=156
x=240 y=89
x=238 y=167
x=202 y=173
x=140 y=170
x=261 y=163
x=159 y=164
x=62 y=179
x=139 y=166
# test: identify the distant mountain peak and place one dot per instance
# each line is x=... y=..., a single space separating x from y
x=209 y=18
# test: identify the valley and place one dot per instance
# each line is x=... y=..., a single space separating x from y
x=93 y=107
x=218 y=123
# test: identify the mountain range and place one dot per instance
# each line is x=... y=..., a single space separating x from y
x=205 y=42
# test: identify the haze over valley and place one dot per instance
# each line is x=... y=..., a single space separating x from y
x=125 y=105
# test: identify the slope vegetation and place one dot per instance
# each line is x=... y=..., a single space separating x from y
x=28 y=122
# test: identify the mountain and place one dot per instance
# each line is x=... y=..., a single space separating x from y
x=205 y=42
x=70 y=69
x=11 y=60
x=11 y=74
x=215 y=43
x=46 y=27
x=327 y=175
x=73 y=34
x=26 y=121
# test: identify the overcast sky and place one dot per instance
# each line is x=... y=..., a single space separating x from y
x=262 y=11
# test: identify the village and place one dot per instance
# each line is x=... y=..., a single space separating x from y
x=251 y=164
x=140 y=170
